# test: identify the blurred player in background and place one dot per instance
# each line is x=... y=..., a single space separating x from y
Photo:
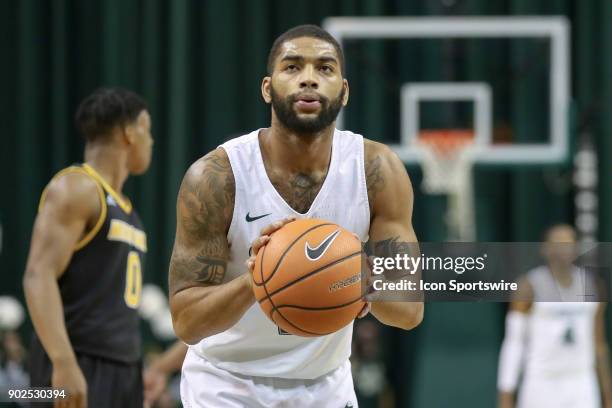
x=84 y=271
x=158 y=372
x=559 y=347
x=299 y=167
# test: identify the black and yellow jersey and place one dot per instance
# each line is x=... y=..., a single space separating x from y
x=102 y=284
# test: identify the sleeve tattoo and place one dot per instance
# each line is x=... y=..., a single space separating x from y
x=374 y=179
x=390 y=248
x=212 y=271
x=204 y=208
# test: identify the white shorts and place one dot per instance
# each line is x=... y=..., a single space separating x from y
x=579 y=391
x=204 y=385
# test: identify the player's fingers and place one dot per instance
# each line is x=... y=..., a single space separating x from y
x=259 y=242
x=269 y=229
x=250 y=263
x=366 y=309
x=366 y=269
x=367 y=285
x=370 y=260
x=288 y=219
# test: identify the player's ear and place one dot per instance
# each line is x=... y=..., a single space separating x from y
x=345 y=96
x=266 y=83
x=129 y=134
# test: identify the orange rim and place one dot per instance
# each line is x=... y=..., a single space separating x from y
x=446 y=141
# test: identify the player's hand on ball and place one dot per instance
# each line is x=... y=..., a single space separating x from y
x=366 y=275
x=366 y=309
x=69 y=377
x=307 y=277
x=263 y=239
x=368 y=285
x=264 y=235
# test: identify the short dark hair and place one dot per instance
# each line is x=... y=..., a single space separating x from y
x=306 y=30
x=106 y=109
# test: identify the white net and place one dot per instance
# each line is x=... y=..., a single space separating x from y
x=449 y=172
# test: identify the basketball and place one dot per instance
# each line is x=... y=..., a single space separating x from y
x=307 y=278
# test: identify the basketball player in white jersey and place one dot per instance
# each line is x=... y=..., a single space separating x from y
x=559 y=348
x=301 y=166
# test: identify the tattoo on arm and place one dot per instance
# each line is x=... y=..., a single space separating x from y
x=392 y=246
x=204 y=268
x=212 y=272
x=187 y=271
x=206 y=196
x=205 y=206
x=374 y=178
x=389 y=248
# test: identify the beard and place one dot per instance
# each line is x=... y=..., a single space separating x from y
x=289 y=118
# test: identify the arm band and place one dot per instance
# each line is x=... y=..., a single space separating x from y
x=512 y=352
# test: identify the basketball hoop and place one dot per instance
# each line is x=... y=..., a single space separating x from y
x=446 y=159
x=447 y=169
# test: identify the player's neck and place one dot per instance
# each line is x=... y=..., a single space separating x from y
x=110 y=163
x=562 y=273
x=297 y=152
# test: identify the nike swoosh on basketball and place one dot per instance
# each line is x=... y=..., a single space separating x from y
x=317 y=252
x=255 y=218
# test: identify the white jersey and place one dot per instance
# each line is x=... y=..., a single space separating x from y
x=254 y=346
x=560 y=335
x=560 y=345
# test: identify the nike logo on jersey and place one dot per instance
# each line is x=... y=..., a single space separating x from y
x=317 y=252
x=255 y=218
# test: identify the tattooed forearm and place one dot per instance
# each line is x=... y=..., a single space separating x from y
x=393 y=246
x=211 y=272
x=390 y=248
x=204 y=268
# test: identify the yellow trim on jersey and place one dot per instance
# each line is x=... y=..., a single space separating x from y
x=71 y=169
x=103 y=210
x=125 y=204
x=91 y=234
x=122 y=231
